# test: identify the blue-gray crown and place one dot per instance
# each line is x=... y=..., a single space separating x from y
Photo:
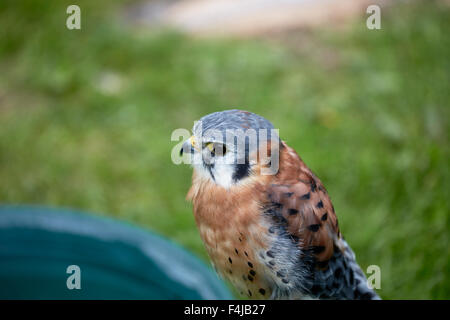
x=234 y=120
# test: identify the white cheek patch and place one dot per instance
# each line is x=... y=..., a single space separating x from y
x=223 y=174
x=223 y=169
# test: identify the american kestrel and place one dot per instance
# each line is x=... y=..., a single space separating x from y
x=271 y=234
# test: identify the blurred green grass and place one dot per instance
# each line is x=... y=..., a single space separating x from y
x=86 y=118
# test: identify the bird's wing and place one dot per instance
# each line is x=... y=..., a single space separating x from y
x=300 y=203
x=309 y=216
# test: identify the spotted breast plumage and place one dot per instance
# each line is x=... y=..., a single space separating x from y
x=272 y=234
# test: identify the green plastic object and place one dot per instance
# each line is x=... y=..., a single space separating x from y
x=116 y=260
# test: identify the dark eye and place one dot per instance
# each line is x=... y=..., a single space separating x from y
x=218 y=149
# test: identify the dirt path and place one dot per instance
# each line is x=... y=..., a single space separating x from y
x=248 y=17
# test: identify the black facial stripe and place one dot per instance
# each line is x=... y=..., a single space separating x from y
x=241 y=171
x=210 y=167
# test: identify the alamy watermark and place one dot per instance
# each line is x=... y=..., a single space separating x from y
x=374 y=278
x=74 y=280
x=373 y=22
x=74 y=20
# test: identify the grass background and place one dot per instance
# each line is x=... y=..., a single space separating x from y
x=86 y=118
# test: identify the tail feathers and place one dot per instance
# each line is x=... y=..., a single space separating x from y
x=343 y=279
x=361 y=289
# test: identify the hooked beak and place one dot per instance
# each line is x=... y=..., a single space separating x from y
x=188 y=146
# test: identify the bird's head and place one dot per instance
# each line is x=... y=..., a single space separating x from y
x=231 y=146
